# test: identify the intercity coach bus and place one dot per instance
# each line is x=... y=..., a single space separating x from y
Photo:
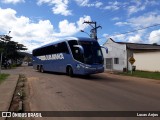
x=71 y=56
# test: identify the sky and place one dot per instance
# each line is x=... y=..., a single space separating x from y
x=38 y=22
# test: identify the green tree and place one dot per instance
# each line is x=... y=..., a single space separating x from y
x=10 y=49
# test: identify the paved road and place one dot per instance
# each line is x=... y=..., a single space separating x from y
x=101 y=92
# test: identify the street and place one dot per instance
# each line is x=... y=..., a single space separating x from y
x=100 y=92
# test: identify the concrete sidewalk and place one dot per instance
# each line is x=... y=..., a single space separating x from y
x=7 y=89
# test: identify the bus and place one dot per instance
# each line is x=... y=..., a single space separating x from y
x=73 y=55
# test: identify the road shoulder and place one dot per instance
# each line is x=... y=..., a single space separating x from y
x=7 y=89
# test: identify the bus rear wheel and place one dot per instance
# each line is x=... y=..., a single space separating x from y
x=70 y=71
x=41 y=69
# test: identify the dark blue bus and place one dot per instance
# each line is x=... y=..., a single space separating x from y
x=71 y=56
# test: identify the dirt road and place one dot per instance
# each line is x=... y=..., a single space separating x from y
x=101 y=92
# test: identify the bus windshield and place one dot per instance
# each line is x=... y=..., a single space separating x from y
x=92 y=52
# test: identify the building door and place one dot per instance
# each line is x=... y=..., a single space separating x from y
x=109 y=63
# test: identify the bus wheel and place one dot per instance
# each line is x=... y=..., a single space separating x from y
x=41 y=69
x=70 y=71
x=38 y=68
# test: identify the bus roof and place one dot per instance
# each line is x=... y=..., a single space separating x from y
x=67 y=39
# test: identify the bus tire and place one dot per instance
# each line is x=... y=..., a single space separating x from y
x=38 y=68
x=70 y=71
x=41 y=69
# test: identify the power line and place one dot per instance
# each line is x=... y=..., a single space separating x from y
x=133 y=31
x=136 y=30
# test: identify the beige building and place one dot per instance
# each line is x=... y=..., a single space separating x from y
x=150 y=60
x=147 y=56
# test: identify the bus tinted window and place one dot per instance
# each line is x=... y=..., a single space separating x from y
x=53 y=49
x=92 y=52
x=63 y=48
x=75 y=51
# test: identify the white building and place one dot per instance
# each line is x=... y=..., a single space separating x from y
x=147 y=56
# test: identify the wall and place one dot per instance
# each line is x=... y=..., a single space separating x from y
x=115 y=50
x=148 y=61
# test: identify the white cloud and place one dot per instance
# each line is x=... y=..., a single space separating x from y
x=140 y=5
x=83 y=2
x=113 y=6
x=61 y=6
x=152 y=2
x=142 y=22
x=119 y=37
x=134 y=9
x=58 y=6
x=80 y=24
x=12 y=1
x=115 y=18
x=34 y=34
x=23 y=30
x=122 y=23
x=135 y=39
x=132 y=38
x=98 y=4
x=137 y=7
x=145 y=20
x=154 y=37
x=69 y=29
x=87 y=3
x=105 y=35
x=116 y=37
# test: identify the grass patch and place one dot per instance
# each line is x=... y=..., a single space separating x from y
x=3 y=77
x=144 y=74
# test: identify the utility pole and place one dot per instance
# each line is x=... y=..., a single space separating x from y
x=94 y=28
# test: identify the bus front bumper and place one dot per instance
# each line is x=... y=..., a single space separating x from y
x=94 y=70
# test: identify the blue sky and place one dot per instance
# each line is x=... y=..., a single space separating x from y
x=37 y=22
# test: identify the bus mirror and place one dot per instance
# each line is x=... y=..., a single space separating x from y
x=80 y=48
x=105 y=48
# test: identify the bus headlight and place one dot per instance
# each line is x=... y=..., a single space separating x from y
x=87 y=67
x=78 y=66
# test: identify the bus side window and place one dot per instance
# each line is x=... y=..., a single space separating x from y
x=64 y=48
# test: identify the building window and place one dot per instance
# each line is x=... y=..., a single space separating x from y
x=116 y=60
